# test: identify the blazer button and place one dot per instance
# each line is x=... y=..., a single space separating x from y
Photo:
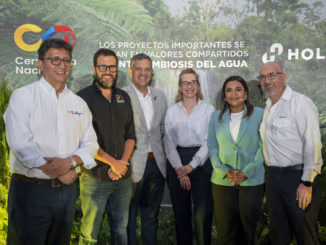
x=234 y=148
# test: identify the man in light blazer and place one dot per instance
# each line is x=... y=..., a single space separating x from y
x=148 y=160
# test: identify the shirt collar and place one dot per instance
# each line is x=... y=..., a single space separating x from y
x=287 y=94
x=48 y=87
x=139 y=94
x=198 y=104
x=96 y=88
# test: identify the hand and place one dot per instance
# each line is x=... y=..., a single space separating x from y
x=119 y=167
x=185 y=183
x=113 y=176
x=231 y=175
x=237 y=177
x=304 y=194
x=68 y=178
x=55 y=167
x=184 y=170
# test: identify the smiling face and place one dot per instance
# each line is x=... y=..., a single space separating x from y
x=56 y=75
x=141 y=73
x=187 y=89
x=235 y=96
x=107 y=78
x=273 y=83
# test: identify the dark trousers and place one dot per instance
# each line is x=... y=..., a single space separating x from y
x=147 y=195
x=237 y=210
x=200 y=195
x=40 y=214
x=285 y=215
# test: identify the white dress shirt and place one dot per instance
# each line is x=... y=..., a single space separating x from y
x=291 y=135
x=186 y=130
x=39 y=124
x=146 y=104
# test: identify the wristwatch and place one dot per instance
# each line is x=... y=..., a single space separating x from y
x=306 y=183
x=73 y=162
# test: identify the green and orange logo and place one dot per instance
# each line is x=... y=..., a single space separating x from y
x=20 y=31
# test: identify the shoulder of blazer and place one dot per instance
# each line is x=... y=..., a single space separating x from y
x=157 y=92
x=127 y=88
x=215 y=115
x=258 y=112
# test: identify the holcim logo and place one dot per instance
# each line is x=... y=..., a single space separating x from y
x=20 y=31
x=293 y=54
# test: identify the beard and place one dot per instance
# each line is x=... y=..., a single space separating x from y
x=103 y=84
x=269 y=93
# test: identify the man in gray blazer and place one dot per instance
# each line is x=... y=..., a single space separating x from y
x=148 y=159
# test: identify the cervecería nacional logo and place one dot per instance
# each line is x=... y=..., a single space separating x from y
x=20 y=31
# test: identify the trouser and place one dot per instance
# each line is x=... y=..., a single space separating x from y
x=285 y=215
x=97 y=196
x=237 y=210
x=147 y=195
x=40 y=214
x=200 y=195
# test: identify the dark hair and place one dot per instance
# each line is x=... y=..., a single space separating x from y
x=225 y=105
x=140 y=56
x=53 y=43
x=104 y=52
x=179 y=96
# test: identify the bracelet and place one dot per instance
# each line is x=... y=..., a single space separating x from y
x=73 y=162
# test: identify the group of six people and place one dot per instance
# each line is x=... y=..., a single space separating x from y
x=113 y=138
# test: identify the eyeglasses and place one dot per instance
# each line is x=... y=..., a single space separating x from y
x=103 y=68
x=57 y=61
x=271 y=75
x=187 y=83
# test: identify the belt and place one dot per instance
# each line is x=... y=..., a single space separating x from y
x=297 y=167
x=50 y=182
x=150 y=155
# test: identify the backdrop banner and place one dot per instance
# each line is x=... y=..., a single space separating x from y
x=217 y=38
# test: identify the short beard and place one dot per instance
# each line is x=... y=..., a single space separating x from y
x=269 y=93
x=101 y=84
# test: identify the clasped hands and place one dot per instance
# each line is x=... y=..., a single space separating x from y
x=59 y=168
x=118 y=169
x=183 y=177
x=237 y=177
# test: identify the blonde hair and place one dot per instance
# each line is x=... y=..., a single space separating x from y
x=179 y=96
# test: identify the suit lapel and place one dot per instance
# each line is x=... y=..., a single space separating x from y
x=137 y=106
x=226 y=122
x=155 y=107
x=243 y=125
